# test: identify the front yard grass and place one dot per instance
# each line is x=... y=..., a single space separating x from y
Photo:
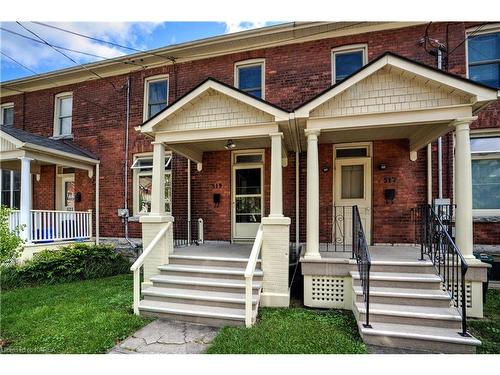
x=488 y=329
x=293 y=331
x=79 y=317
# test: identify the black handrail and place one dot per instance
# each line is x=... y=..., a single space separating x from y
x=436 y=242
x=361 y=253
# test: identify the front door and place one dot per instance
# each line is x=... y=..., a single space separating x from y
x=247 y=197
x=352 y=186
x=68 y=193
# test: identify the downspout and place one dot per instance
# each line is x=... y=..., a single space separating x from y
x=125 y=182
x=297 y=208
x=440 y=140
x=189 y=200
x=429 y=173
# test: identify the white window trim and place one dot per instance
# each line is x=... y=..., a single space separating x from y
x=147 y=81
x=487 y=29
x=248 y=63
x=57 y=130
x=349 y=48
x=5 y=106
x=481 y=133
x=135 y=183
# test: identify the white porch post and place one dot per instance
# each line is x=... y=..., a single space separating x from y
x=463 y=186
x=276 y=176
x=25 y=209
x=158 y=182
x=312 y=241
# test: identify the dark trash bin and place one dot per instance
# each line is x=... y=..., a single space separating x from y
x=486 y=259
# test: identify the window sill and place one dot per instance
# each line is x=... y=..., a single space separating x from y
x=486 y=219
x=59 y=137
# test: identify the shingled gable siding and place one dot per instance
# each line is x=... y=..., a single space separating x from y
x=294 y=74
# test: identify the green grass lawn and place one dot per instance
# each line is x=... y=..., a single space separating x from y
x=488 y=329
x=293 y=331
x=79 y=317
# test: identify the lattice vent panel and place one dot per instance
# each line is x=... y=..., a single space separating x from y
x=457 y=289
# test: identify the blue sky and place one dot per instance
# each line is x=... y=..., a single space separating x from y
x=141 y=35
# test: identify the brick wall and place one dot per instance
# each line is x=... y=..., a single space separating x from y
x=44 y=196
x=294 y=74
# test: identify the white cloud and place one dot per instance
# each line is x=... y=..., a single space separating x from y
x=235 y=26
x=41 y=58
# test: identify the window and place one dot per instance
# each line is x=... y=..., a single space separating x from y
x=249 y=76
x=143 y=180
x=7 y=114
x=11 y=188
x=483 y=54
x=63 y=113
x=155 y=95
x=347 y=60
x=485 y=152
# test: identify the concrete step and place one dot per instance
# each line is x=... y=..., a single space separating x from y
x=430 y=339
x=444 y=317
x=400 y=280
x=207 y=271
x=200 y=260
x=204 y=283
x=403 y=296
x=414 y=266
x=197 y=297
x=208 y=315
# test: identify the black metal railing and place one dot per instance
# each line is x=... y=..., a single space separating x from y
x=185 y=232
x=334 y=223
x=437 y=243
x=361 y=253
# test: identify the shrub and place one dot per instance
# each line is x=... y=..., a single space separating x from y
x=10 y=242
x=69 y=263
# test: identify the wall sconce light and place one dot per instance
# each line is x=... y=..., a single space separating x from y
x=325 y=168
x=382 y=167
x=229 y=145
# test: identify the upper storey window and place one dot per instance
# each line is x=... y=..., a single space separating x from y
x=249 y=77
x=7 y=114
x=155 y=95
x=483 y=53
x=63 y=114
x=347 y=60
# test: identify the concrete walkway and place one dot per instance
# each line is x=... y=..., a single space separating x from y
x=168 y=337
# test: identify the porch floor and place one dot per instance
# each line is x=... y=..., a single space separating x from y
x=216 y=249
x=378 y=252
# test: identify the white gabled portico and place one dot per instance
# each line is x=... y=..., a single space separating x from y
x=206 y=119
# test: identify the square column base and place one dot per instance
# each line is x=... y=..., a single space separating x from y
x=275 y=261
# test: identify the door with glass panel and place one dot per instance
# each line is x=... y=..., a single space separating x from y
x=352 y=186
x=247 y=195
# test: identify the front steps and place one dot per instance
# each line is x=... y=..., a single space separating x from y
x=409 y=310
x=201 y=289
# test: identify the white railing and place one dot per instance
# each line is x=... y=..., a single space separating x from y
x=50 y=225
x=249 y=271
x=13 y=219
x=136 y=267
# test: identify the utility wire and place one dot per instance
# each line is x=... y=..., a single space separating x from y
x=169 y=58
x=55 y=86
x=68 y=57
x=470 y=35
x=65 y=48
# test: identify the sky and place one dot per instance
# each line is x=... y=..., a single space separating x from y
x=40 y=58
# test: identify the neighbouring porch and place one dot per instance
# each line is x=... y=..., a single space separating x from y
x=52 y=188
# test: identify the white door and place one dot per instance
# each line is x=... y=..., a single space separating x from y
x=353 y=187
x=68 y=193
x=247 y=200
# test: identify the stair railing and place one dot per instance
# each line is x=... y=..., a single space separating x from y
x=361 y=253
x=437 y=243
x=136 y=267
x=249 y=272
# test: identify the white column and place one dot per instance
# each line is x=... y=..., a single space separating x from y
x=158 y=182
x=25 y=209
x=276 y=176
x=312 y=243
x=463 y=186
